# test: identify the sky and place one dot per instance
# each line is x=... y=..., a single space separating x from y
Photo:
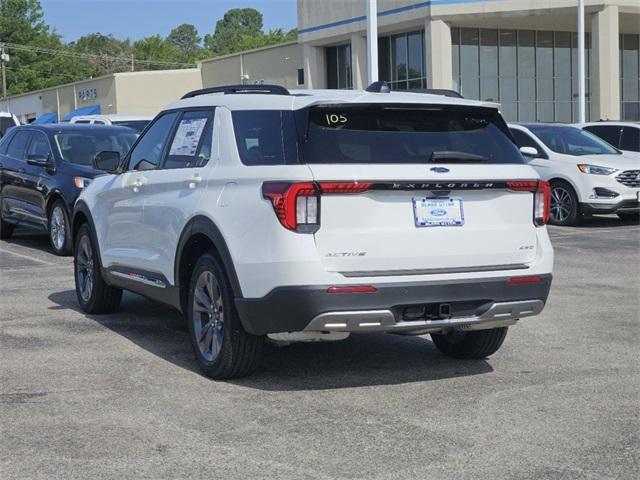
x=141 y=18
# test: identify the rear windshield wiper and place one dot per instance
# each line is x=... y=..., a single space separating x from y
x=452 y=156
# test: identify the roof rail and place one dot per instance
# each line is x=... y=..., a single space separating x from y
x=231 y=89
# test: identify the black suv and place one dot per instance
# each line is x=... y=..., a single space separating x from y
x=43 y=169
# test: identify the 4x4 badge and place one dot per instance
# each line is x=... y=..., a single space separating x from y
x=439 y=169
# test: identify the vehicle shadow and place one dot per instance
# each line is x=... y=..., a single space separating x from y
x=361 y=360
x=604 y=221
x=30 y=239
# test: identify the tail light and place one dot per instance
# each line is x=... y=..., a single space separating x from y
x=297 y=205
x=541 y=201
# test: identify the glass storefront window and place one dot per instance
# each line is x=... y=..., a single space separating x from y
x=339 y=66
x=401 y=61
x=531 y=73
x=630 y=77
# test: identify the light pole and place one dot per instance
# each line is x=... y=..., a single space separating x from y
x=4 y=58
x=581 y=64
x=372 y=41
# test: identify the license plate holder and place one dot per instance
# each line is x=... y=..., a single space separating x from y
x=438 y=212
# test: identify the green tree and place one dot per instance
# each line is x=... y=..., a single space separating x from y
x=21 y=24
x=186 y=40
x=238 y=28
x=157 y=49
x=107 y=55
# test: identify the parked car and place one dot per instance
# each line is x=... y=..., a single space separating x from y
x=43 y=169
x=587 y=175
x=136 y=122
x=7 y=121
x=622 y=135
x=311 y=215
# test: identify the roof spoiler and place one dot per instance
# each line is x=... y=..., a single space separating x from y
x=239 y=89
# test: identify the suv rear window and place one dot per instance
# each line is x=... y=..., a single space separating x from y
x=407 y=134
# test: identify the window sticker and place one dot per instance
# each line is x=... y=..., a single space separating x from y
x=188 y=136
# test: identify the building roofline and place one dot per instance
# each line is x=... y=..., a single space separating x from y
x=93 y=79
x=253 y=50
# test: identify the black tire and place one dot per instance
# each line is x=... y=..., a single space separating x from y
x=6 y=229
x=59 y=228
x=223 y=349
x=629 y=216
x=96 y=297
x=470 y=345
x=565 y=209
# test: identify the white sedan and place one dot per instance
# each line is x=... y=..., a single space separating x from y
x=587 y=175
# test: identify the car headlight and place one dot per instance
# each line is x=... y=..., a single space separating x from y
x=596 y=169
x=81 y=182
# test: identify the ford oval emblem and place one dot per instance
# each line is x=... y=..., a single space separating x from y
x=439 y=169
x=438 y=212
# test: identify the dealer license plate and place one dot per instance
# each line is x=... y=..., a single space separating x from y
x=438 y=212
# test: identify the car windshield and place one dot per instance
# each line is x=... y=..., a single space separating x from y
x=81 y=147
x=137 y=125
x=407 y=134
x=571 y=141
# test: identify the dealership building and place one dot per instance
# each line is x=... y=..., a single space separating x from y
x=132 y=93
x=520 y=53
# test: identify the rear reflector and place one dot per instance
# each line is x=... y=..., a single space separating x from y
x=521 y=280
x=352 y=289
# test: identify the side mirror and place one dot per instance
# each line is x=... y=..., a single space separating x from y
x=40 y=161
x=107 y=160
x=529 y=152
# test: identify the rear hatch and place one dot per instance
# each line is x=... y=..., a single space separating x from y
x=432 y=190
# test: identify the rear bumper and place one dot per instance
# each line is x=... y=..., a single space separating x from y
x=403 y=307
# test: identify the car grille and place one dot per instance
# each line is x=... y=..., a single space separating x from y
x=630 y=178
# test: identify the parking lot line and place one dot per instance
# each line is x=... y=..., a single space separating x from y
x=28 y=257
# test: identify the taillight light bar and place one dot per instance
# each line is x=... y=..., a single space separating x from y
x=297 y=204
x=542 y=198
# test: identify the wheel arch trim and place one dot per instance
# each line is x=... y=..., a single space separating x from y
x=81 y=209
x=205 y=226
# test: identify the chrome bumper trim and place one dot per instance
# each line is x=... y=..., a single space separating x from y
x=497 y=315
x=435 y=271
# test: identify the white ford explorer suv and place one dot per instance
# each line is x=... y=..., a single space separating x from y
x=310 y=215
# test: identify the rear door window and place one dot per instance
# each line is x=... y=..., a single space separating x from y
x=192 y=140
x=18 y=144
x=630 y=139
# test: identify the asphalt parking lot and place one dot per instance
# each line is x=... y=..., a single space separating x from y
x=119 y=396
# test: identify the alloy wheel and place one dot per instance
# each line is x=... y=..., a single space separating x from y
x=561 y=204
x=58 y=228
x=85 y=268
x=208 y=315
